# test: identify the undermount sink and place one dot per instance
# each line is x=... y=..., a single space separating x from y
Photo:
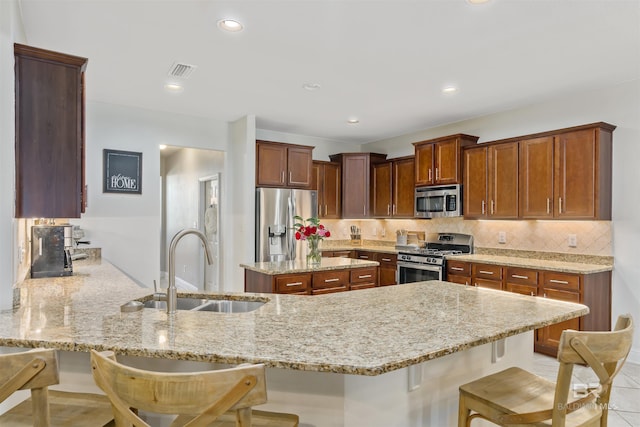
x=203 y=304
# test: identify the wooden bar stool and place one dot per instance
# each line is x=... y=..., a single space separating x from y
x=36 y=370
x=515 y=397
x=208 y=398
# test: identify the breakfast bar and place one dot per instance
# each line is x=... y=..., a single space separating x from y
x=377 y=357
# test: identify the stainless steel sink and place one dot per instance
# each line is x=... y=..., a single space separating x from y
x=229 y=306
x=183 y=303
x=203 y=304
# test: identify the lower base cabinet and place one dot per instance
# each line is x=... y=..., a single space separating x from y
x=387 y=271
x=318 y=283
x=592 y=290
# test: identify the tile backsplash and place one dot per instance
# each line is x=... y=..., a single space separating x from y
x=592 y=237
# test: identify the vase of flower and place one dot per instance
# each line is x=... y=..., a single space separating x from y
x=311 y=231
x=313 y=252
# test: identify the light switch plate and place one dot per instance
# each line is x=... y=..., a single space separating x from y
x=502 y=237
x=573 y=240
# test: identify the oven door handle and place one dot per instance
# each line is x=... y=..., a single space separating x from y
x=417 y=266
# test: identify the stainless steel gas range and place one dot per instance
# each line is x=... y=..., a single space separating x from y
x=417 y=264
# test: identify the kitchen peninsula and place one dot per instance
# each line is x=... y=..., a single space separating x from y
x=378 y=357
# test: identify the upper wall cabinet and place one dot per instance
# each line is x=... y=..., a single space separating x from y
x=394 y=189
x=439 y=161
x=566 y=174
x=50 y=147
x=283 y=165
x=491 y=181
x=326 y=179
x=356 y=182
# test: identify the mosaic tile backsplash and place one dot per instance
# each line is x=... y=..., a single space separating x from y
x=592 y=237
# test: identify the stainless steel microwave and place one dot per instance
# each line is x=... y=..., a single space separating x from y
x=438 y=201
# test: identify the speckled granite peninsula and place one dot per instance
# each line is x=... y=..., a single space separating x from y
x=375 y=334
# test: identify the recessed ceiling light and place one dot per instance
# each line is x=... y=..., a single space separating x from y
x=477 y=1
x=449 y=89
x=162 y=146
x=230 y=25
x=353 y=121
x=173 y=87
x=311 y=86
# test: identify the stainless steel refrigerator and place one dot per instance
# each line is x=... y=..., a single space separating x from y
x=275 y=209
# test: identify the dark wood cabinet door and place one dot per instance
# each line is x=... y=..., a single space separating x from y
x=271 y=164
x=575 y=172
x=382 y=189
x=536 y=178
x=503 y=181
x=317 y=169
x=403 y=188
x=355 y=186
x=447 y=159
x=49 y=133
x=331 y=191
x=424 y=164
x=299 y=161
x=475 y=182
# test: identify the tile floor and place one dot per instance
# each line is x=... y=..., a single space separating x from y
x=625 y=396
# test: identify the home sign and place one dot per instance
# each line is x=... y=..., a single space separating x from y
x=122 y=172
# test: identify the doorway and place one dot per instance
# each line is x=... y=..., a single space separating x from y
x=185 y=173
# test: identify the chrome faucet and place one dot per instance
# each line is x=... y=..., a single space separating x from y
x=172 y=292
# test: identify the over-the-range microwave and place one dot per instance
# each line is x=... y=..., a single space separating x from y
x=438 y=201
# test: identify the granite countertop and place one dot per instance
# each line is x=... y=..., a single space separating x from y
x=535 y=263
x=364 y=332
x=299 y=266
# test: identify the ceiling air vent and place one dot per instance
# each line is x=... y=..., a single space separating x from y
x=181 y=71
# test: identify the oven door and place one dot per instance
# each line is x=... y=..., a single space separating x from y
x=409 y=272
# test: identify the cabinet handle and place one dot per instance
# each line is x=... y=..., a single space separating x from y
x=544 y=295
x=456 y=268
x=294 y=284
x=363 y=257
x=482 y=207
x=331 y=280
x=364 y=210
x=559 y=204
x=562 y=282
x=430 y=174
x=532 y=294
x=366 y=276
x=395 y=209
x=548 y=205
x=475 y=284
x=486 y=272
x=437 y=177
x=282 y=177
x=493 y=205
x=386 y=259
x=388 y=209
x=290 y=176
x=517 y=276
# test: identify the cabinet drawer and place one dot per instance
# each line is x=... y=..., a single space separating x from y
x=293 y=283
x=390 y=259
x=522 y=289
x=564 y=281
x=365 y=255
x=462 y=280
x=522 y=276
x=364 y=275
x=342 y=254
x=487 y=271
x=561 y=295
x=458 y=268
x=330 y=279
x=329 y=290
x=484 y=283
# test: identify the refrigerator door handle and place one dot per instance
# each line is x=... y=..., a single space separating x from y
x=291 y=235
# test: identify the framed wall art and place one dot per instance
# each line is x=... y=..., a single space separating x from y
x=122 y=172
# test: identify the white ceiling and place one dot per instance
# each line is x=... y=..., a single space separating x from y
x=382 y=61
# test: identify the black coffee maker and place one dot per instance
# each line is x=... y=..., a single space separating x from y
x=50 y=255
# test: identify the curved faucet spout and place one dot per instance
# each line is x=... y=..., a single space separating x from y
x=172 y=293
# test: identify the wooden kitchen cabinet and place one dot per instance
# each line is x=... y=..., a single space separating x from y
x=326 y=179
x=458 y=272
x=363 y=278
x=491 y=181
x=592 y=290
x=393 y=188
x=50 y=134
x=331 y=281
x=283 y=165
x=356 y=182
x=486 y=276
x=387 y=271
x=438 y=161
x=339 y=254
x=566 y=174
x=277 y=284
